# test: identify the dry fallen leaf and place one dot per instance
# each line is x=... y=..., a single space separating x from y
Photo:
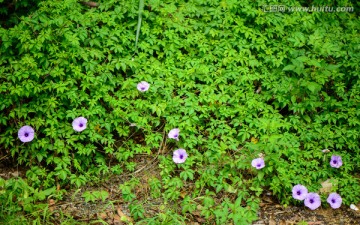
x=182 y=194
x=326 y=186
x=272 y=222
x=267 y=199
x=51 y=203
x=254 y=140
x=197 y=214
x=117 y=220
x=102 y=215
x=200 y=219
x=15 y=174
x=258 y=90
x=123 y=217
x=354 y=207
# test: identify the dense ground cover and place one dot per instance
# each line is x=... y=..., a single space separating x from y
x=238 y=83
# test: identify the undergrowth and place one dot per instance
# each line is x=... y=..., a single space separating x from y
x=239 y=84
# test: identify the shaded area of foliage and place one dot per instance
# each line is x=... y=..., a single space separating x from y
x=236 y=81
x=12 y=10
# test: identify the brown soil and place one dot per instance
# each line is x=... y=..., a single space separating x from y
x=274 y=214
x=114 y=210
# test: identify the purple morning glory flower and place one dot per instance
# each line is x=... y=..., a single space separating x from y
x=312 y=201
x=336 y=161
x=179 y=156
x=334 y=200
x=79 y=124
x=143 y=86
x=26 y=134
x=299 y=192
x=174 y=133
x=258 y=163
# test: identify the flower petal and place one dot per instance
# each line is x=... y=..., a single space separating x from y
x=79 y=124
x=26 y=133
x=180 y=156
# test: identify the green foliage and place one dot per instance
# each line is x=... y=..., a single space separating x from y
x=166 y=216
x=236 y=81
x=12 y=10
x=18 y=196
x=136 y=210
x=127 y=189
x=92 y=196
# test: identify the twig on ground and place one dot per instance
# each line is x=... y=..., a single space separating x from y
x=157 y=155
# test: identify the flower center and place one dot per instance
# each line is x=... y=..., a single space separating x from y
x=334 y=161
x=175 y=136
x=311 y=201
x=143 y=88
x=298 y=192
x=333 y=200
x=26 y=134
x=258 y=165
x=181 y=156
x=81 y=125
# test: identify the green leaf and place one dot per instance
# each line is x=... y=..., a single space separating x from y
x=289 y=68
x=43 y=194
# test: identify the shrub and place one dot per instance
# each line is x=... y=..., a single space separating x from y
x=236 y=81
